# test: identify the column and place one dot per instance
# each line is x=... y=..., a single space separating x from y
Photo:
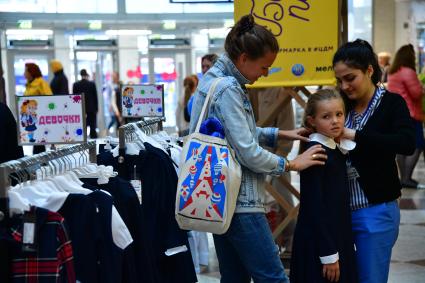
x=128 y=55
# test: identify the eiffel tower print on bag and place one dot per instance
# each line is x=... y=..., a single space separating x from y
x=209 y=180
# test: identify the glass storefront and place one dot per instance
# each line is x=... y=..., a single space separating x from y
x=166 y=69
x=59 y=6
x=360 y=20
x=164 y=6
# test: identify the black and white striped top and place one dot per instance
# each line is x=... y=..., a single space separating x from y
x=357 y=121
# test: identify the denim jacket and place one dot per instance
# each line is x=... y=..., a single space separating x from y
x=231 y=106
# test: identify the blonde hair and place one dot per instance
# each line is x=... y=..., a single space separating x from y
x=385 y=56
x=127 y=90
x=27 y=103
x=314 y=99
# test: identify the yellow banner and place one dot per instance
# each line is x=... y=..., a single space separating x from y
x=307 y=32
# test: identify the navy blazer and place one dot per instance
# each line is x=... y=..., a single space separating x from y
x=324 y=221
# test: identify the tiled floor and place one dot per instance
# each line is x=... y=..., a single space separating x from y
x=408 y=258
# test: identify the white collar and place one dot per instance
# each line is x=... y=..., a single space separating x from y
x=344 y=145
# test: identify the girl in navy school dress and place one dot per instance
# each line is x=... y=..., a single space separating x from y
x=323 y=249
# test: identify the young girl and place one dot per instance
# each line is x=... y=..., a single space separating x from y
x=323 y=249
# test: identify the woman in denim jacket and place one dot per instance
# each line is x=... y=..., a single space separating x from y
x=247 y=249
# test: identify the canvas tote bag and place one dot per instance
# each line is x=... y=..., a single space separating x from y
x=209 y=180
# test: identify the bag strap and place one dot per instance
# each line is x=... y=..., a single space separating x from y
x=206 y=104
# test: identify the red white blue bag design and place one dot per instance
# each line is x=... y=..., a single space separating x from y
x=209 y=181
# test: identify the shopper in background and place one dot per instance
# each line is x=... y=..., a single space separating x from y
x=196 y=79
x=36 y=85
x=247 y=249
x=115 y=107
x=182 y=115
x=421 y=78
x=59 y=83
x=190 y=83
x=379 y=122
x=207 y=61
x=3 y=98
x=384 y=59
x=403 y=80
x=9 y=143
x=90 y=97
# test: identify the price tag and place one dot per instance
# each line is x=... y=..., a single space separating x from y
x=137 y=185
x=29 y=233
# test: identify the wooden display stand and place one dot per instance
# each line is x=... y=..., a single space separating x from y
x=292 y=211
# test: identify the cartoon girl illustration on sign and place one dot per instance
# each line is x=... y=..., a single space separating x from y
x=127 y=99
x=29 y=118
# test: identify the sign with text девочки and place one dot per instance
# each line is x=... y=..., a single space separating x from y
x=140 y=101
x=51 y=119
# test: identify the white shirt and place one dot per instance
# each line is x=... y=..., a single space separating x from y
x=43 y=194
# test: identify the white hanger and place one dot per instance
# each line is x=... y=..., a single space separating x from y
x=131 y=148
x=69 y=175
x=38 y=194
x=73 y=176
x=146 y=138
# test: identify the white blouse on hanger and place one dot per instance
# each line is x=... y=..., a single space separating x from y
x=52 y=193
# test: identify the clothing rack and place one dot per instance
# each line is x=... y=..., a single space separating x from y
x=25 y=168
x=127 y=132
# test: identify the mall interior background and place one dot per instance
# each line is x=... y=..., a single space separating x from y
x=157 y=41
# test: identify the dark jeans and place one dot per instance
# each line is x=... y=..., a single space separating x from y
x=114 y=120
x=247 y=250
x=92 y=123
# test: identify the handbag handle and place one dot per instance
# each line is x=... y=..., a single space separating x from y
x=206 y=104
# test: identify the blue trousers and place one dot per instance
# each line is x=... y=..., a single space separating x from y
x=375 y=230
x=247 y=250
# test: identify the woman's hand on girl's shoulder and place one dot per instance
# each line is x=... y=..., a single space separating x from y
x=315 y=155
x=295 y=134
